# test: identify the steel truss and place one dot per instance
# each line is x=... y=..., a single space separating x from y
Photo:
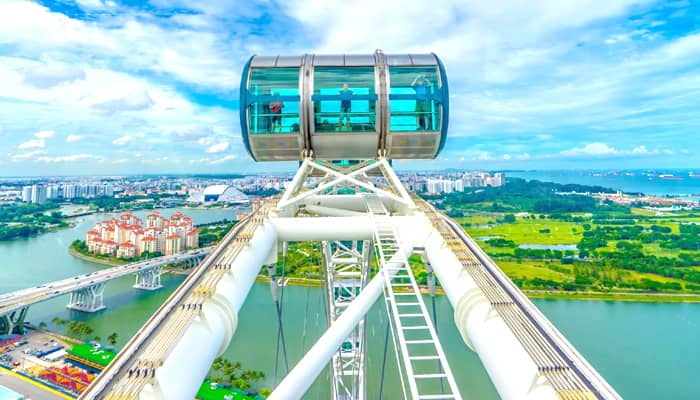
x=347 y=270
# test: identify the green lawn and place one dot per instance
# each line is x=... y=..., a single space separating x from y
x=531 y=270
x=527 y=231
x=207 y=393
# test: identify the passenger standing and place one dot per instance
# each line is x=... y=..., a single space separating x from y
x=422 y=87
x=276 y=111
x=345 y=106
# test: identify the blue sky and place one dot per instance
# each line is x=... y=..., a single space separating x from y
x=111 y=87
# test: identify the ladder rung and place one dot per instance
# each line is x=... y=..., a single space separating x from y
x=430 y=376
x=419 y=341
x=419 y=358
x=401 y=284
x=408 y=304
x=415 y=328
x=405 y=294
x=411 y=315
x=436 y=396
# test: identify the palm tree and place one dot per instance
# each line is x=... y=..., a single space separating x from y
x=227 y=368
x=112 y=338
x=58 y=321
x=42 y=325
x=217 y=365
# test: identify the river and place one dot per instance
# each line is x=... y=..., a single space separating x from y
x=630 y=181
x=645 y=350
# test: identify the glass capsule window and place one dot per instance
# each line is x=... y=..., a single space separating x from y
x=415 y=99
x=344 y=99
x=273 y=100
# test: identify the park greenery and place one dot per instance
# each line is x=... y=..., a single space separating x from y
x=231 y=374
x=23 y=220
x=549 y=240
x=135 y=202
x=552 y=242
x=212 y=233
x=79 y=330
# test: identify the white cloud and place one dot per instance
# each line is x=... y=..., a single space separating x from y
x=506 y=157
x=73 y=138
x=121 y=161
x=32 y=143
x=93 y=4
x=591 y=149
x=24 y=156
x=45 y=76
x=69 y=158
x=130 y=102
x=222 y=160
x=523 y=156
x=121 y=141
x=44 y=134
x=640 y=150
x=218 y=148
x=543 y=137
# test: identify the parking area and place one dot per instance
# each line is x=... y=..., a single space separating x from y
x=38 y=358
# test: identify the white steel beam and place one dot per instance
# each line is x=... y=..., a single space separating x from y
x=299 y=379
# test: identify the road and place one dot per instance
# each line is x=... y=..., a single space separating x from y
x=25 y=297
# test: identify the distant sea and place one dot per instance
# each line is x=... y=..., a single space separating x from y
x=648 y=182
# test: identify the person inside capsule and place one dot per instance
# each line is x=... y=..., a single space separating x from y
x=422 y=85
x=345 y=106
x=276 y=111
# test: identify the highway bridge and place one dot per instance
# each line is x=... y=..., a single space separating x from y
x=86 y=291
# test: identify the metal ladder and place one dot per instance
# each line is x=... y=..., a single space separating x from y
x=421 y=353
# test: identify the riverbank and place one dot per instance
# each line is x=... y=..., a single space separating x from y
x=98 y=260
x=615 y=296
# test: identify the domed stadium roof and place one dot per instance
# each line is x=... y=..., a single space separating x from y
x=218 y=194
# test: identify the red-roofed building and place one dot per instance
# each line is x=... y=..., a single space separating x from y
x=126 y=250
x=126 y=236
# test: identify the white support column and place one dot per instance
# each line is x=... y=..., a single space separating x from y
x=13 y=322
x=149 y=279
x=89 y=299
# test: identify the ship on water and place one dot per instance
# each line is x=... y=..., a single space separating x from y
x=670 y=177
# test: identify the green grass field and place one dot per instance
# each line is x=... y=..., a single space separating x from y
x=207 y=393
x=531 y=270
x=527 y=231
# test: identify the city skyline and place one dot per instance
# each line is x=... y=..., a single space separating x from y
x=102 y=87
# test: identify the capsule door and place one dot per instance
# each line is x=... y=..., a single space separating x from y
x=344 y=101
